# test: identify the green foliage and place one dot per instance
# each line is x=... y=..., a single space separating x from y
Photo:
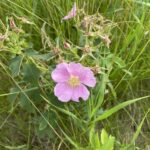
x=104 y=142
x=31 y=73
x=15 y=65
x=110 y=37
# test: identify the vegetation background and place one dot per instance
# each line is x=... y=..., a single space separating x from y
x=35 y=119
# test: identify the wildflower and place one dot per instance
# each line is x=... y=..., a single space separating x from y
x=71 y=13
x=72 y=80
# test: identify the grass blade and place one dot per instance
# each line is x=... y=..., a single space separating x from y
x=118 y=107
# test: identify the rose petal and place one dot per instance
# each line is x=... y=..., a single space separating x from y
x=88 y=78
x=76 y=69
x=85 y=75
x=80 y=91
x=61 y=74
x=63 y=91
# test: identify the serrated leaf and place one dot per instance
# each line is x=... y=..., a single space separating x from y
x=31 y=73
x=15 y=65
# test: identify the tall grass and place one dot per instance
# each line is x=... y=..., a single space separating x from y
x=76 y=123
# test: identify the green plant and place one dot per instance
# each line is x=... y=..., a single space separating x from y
x=30 y=51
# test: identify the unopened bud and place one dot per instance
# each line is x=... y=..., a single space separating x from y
x=12 y=23
x=67 y=45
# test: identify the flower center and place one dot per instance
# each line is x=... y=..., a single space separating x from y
x=74 y=81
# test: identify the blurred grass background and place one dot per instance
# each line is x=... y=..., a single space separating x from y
x=130 y=41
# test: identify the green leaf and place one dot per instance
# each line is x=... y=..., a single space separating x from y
x=110 y=59
x=112 y=90
x=15 y=65
x=119 y=62
x=82 y=40
x=91 y=136
x=94 y=139
x=45 y=57
x=11 y=98
x=25 y=103
x=109 y=145
x=100 y=96
x=111 y=111
x=104 y=137
x=31 y=73
x=42 y=125
x=31 y=52
x=97 y=141
x=36 y=55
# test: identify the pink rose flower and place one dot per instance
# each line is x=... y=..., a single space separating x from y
x=71 y=13
x=72 y=80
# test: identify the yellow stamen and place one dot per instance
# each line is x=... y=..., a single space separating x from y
x=74 y=81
